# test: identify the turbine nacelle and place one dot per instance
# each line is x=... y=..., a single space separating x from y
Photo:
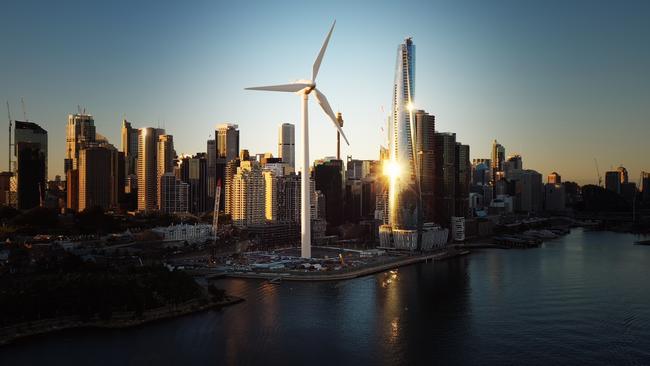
x=306 y=87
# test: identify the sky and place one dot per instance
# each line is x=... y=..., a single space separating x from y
x=559 y=82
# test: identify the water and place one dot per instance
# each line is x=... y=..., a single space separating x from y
x=580 y=299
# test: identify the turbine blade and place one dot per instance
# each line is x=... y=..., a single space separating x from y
x=319 y=58
x=322 y=100
x=291 y=88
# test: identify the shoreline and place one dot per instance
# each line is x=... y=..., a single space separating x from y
x=347 y=275
x=12 y=333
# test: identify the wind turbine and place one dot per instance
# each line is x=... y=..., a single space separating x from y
x=304 y=88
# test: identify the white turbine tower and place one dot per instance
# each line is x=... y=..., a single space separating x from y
x=304 y=88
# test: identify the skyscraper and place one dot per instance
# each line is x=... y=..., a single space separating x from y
x=445 y=178
x=623 y=174
x=129 y=147
x=462 y=169
x=404 y=190
x=95 y=178
x=613 y=181
x=30 y=147
x=80 y=129
x=194 y=171
x=425 y=151
x=227 y=148
x=30 y=175
x=328 y=175
x=498 y=158
x=147 y=171
x=287 y=144
x=165 y=160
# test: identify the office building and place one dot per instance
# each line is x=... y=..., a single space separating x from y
x=554 y=178
x=287 y=144
x=622 y=174
x=80 y=129
x=129 y=137
x=462 y=169
x=498 y=159
x=5 y=188
x=613 y=181
x=425 y=151
x=30 y=175
x=194 y=172
x=445 y=178
x=328 y=175
x=227 y=148
x=165 y=158
x=96 y=182
x=645 y=186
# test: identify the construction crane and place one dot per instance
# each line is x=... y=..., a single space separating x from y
x=600 y=179
x=215 y=214
x=22 y=104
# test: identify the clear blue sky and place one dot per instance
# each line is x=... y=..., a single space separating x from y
x=560 y=82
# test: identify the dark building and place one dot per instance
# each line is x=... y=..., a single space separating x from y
x=645 y=185
x=425 y=150
x=30 y=174
x=463 y=173
x=194 y=171
x=613 y=181
x=5 y=188
x=445 y=178
x=95 y=178
x=227 y=147
x=329 y=180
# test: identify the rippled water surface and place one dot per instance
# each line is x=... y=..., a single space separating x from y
x=580 y=299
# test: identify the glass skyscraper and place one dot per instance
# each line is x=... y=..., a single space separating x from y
x=404 y=199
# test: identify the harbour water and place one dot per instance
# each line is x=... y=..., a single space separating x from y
x=580 y=299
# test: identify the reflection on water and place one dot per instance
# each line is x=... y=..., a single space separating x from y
x=578 y=299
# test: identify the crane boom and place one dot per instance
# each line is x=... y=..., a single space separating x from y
x=215 y=214
x=600 y=179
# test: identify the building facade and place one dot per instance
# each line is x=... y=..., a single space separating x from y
x=287 y=144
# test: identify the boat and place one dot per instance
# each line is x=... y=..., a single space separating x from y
x=642 y=242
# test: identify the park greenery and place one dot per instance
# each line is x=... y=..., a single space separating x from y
x=92 y=292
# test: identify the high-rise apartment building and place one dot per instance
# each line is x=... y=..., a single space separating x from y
x=248 y=195
x=287 y=144
x=147 y=171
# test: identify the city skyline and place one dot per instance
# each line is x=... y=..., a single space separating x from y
x=556 y=106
